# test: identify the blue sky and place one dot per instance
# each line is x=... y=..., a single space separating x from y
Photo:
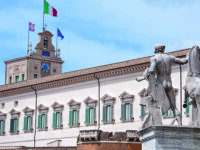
x=99 y=32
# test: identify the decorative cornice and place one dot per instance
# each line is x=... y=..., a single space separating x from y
x=14 y=112
x=27 y=109
x=72 y=102
x=57 y=105
x=142 y=93
x=126 y=95
x=89 y=100
x=111 y=70
x=2 y=114
x=42 y=107
x=107 y=97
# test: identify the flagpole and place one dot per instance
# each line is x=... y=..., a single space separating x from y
x=43 y=15
x=57 y=45
x=28 y=37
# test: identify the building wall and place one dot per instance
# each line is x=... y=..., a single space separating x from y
x=79 y=92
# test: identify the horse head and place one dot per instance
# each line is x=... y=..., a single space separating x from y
x=194 y=60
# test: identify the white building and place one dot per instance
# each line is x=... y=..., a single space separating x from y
x=39 y=111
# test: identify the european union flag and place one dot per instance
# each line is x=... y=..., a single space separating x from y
x=59 y=34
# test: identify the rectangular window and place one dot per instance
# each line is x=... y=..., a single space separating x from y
x=27 y=123
x=90 y=115
x=74 y=117
x=10 y=80
x=42 y=121
x=107 y=113
x=23 y=77
x=35 y=76
x=16 y=79
x=13 y=125
x=126 y=111
x=2 y=126
x=57 y=119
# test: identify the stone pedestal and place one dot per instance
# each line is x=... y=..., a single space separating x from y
x=170 y=138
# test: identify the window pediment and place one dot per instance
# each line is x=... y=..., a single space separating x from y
x=2 y=115
x=27 y=110
x=126 y=95
x=14 y=112
x=73 y=104
x=143 y=92
x=107 y=99
x=90 y=100
x=43 y=108
x=56 y=105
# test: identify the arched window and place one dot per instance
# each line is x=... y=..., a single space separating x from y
x=45 y=42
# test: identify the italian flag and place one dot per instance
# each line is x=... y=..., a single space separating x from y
x=49 y=9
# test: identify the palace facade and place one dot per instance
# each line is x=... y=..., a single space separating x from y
x=39 y=104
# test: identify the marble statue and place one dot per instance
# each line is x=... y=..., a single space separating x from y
x=193 y=84
x=160 y=84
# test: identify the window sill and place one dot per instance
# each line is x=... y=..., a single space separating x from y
x=112 y=122
x=15 y=133
x=125 y=121
x=28 y=131
x=94 y=124
x=56 y=128
x=43 y=129
x=75 y=126
x=2 y=134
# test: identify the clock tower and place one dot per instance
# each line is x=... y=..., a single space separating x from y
x=44 y=61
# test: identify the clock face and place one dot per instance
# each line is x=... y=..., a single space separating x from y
x=45 y=67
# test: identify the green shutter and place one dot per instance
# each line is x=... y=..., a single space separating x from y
x=54 y=119
x=30 y=122
x=71 y=118
x=142 y=111
x=87 y=115
x=94 y=114
x=166 y=114
x=187 y=108
x=111 y=113
x=77 y=111
x=130 y=111
x=45 y=120
x=25 y=123
x=39 y=121
x=11 y=125
x=16 y=125
x=23 y=77
x=60 y=120
x=10 y=80
x=104 y=114
x=123 y=112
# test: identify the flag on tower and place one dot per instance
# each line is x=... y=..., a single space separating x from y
x=59 y=34
x=31 y=27
x=49 y=9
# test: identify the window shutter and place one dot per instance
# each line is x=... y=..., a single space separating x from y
x=187 y=108
x=39 y=121
x=123 y=112
x=166 y=114
x=87 y=115
x=111 y=113
x=104 y=114
x=94 y=114
x=30 y=122
x=11 y=125
x=142 y=111
x=54 y=119
x=130 y=111
x=25 y=123
x=16 y=125
x=45 y=120
x=60 y=120
x=77 y=111
x=71 y=118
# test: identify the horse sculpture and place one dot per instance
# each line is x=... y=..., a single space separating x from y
x=193 y=84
